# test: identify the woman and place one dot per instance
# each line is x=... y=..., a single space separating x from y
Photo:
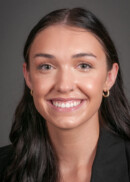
x=73 y=121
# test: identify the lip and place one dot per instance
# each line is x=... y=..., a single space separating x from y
x=59 y=109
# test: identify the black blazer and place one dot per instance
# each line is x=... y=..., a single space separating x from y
x=111 y=163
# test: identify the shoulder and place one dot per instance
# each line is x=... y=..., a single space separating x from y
x=121 y=144
x=5 y=156
x=112 y=151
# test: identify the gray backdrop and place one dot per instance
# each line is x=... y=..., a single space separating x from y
x=17 y=17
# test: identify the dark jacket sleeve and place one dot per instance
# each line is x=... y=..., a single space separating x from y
x=5 y=158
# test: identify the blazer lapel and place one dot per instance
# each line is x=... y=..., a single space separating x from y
x=110 y=163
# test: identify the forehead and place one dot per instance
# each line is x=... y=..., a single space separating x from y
x=65 y=39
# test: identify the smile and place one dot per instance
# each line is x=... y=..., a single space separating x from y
x=66 y=105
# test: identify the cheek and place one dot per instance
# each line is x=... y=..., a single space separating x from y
x=41 y=86
x=93 y=85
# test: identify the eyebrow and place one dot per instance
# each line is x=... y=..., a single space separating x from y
x=44 y=55
x=84 y=55
x=49 y=56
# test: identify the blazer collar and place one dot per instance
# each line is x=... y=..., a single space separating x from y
x=110 y=163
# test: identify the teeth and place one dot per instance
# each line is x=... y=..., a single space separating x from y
x=74 y=104
x=65 y=104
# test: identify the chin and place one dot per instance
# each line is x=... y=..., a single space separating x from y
x=64 y=124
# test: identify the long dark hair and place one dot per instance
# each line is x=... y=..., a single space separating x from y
x=34 y=158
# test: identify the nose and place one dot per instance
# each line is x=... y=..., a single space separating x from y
x=65 y=81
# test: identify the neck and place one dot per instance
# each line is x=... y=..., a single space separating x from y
x=75 y=147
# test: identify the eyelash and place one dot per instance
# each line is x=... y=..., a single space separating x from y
x=44 y=67
x=87 y=66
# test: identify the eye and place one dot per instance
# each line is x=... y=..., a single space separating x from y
x=45 y=67
x=84 y=66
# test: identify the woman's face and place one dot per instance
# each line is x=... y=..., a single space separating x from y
x=68 y=73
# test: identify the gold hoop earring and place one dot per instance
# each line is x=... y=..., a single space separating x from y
x=106 y=94
x=31 y=92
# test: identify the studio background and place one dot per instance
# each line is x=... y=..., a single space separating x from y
x=17 y=17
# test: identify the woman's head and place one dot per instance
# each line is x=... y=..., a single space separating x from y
x=59 y=36
x=68 y=65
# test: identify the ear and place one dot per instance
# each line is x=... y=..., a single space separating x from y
x=111 y=77
x=26 y=74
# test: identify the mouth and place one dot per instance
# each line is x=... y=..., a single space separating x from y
x=66 y=104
